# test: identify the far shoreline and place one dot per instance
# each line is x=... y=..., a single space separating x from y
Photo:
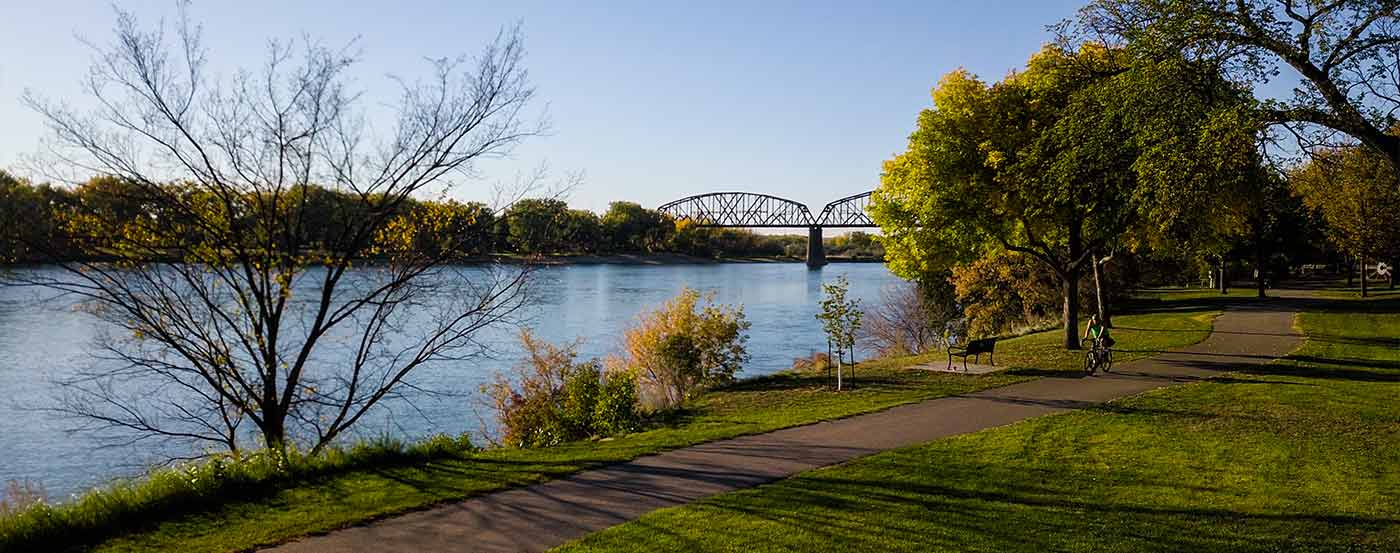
x=658 y=259
x=653 y=259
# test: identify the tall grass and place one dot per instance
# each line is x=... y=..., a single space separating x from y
x=29 y=523
x=20 y=495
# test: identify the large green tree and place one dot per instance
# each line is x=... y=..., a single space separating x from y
x=27 y=225
x=629 y=227
x=1060 y=161
x=1343 y=56
x=536 y=225
x=581 y=231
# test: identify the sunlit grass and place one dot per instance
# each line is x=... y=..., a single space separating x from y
x=1301 y=455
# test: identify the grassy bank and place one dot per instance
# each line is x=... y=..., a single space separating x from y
x=161 y=516
x=1301 y=455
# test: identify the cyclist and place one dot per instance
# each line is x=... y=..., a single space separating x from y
x=1096 y=330
x=1098 y=352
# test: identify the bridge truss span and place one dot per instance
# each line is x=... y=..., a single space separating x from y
x=740 y=209
x=751 y=210
x=848 y=212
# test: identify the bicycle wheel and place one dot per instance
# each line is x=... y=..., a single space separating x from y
x=1107 y=359
x=1089 y=362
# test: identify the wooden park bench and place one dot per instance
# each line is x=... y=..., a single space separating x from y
x=975 y=349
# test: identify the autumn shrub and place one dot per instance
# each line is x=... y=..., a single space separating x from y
x=686 y=345
x=817 y=362
x=20 y=495
x=554 y=398
x=1001 y=293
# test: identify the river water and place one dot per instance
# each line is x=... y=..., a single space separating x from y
x=45 y=338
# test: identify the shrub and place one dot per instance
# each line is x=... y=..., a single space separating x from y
x=683 y=347
x=911 y=319
x=21 y=495
x=555 y=399
x=1002 y=292
x=815 y=363
x=616 y=410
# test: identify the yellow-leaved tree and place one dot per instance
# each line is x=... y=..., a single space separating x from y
x=1356 y=192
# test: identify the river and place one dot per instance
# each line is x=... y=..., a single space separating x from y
x=42 y=339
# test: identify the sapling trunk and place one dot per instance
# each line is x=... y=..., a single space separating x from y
x=840 y=361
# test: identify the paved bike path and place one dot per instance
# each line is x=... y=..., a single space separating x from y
x=545 y=515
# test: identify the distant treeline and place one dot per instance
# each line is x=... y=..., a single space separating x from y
x=36 y=218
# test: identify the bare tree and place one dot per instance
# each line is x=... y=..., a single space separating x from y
x=908 y=321
x=234 y=295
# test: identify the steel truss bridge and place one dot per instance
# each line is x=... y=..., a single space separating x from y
x=750 y=210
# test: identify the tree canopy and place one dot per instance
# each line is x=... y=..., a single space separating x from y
x=1345 y=53
x=627 y=226
x=1061 y=160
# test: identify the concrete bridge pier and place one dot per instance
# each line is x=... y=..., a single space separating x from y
x=816 y=253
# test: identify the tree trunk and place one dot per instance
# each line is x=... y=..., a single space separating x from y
x=1260 y=275
x=1363 y=276
x=1224 y=281
x=1070 y=276
x=1351 y=272
x=1098 y=294
x=274 y=428
x=1071 y=315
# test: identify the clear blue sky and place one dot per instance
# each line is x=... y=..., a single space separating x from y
x=651 y=100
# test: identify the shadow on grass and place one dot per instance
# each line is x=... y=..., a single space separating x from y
x=983 y=510
x=776 y=382
x=1379 y=364
x=1378 y=341
x=1326 y=373
x=1388 y=304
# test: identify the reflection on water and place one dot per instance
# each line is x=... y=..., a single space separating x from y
x=42 y=338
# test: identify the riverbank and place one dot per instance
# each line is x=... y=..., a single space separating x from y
x=252 y=515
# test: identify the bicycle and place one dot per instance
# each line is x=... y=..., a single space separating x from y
x=1098 y=358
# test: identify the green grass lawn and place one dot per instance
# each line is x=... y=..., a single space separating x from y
x=1301 y=455
x=748 y=407
x=1137 y=336
x=1355 y=292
